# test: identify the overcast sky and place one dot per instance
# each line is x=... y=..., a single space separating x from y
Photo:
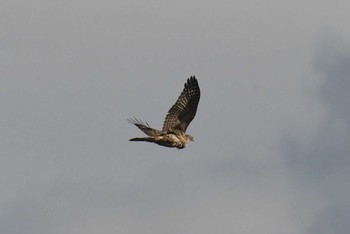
x=272 y=131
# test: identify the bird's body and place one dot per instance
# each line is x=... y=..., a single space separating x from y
x=177 y=120
x=168 y=140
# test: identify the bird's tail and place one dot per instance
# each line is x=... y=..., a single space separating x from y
x=148 y=139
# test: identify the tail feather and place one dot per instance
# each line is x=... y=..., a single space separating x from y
x=148 y=139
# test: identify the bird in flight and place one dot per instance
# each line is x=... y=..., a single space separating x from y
x=176 y=121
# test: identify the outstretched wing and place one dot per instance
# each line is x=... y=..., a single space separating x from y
x=144 y=127
x=183 y=111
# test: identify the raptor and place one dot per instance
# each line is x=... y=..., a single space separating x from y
x=176 y=121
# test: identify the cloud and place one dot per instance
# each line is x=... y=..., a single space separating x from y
x=74 y=71
x=322 y=165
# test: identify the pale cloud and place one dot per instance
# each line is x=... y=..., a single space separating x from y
x=270 y=151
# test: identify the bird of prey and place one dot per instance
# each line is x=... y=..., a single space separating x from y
x=176 y=121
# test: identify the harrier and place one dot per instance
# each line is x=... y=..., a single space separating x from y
x=176 y=121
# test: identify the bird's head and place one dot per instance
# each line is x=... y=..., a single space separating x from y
x=189 y=137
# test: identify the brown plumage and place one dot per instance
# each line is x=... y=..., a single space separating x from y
x=176 y=121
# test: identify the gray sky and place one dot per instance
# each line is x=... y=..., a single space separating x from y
x=271 y=150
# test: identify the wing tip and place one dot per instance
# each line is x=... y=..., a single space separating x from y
x=191 y=81
x=192 y=78
x=137 y=121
